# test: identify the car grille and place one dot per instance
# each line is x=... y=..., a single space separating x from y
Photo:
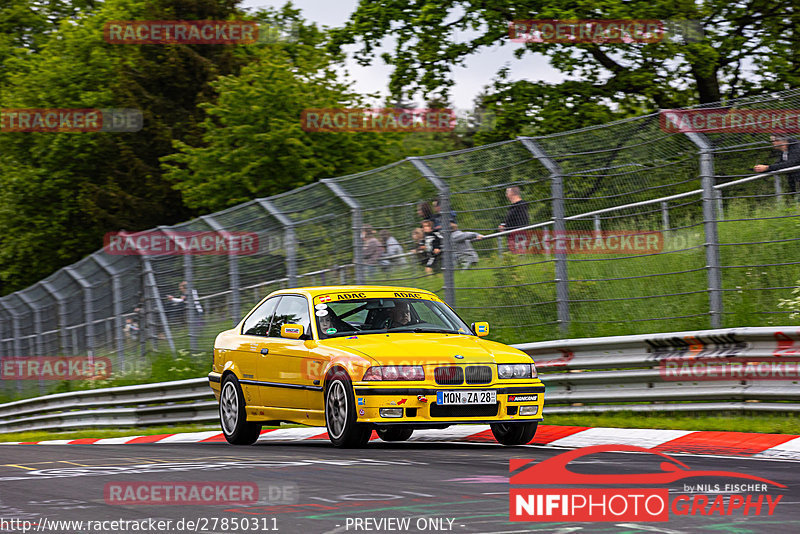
x=449 y=376
x=479 y=374
x=469 y=410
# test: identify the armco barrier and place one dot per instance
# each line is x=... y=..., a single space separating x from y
x=588 y=375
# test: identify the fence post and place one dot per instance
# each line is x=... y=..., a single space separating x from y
x=150 y=284
x=88 y=309
x=449 y=260
x=37 y=321
x=233 y=272
x=191 y=312
x=710 y=227
x=289 y=237
x=559 y=229
x=665 y=216
x=778 y=189
x=16 y=333
x=357 y=222
x=62 y=314
x=37 y=328
x=116 y=296
x=188 y=277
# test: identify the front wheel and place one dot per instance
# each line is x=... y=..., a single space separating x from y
x=233 y=416
x=394 y=433
x=340 y=415
x=514 y=433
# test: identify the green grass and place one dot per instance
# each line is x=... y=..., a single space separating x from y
x=759 y=422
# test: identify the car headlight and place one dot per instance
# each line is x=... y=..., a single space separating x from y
x=395 y=372
x=516 y=370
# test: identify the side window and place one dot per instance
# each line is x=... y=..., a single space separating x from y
x=292 y=309
x=258 y=322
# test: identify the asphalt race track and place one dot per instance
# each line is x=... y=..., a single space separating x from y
x=311 y=487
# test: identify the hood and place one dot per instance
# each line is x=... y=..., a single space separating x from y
x=422 y=349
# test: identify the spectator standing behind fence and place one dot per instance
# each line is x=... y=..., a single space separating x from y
x=418 y=238
x=425 y=211
x=466 y=255
x=517 y=215
x=178 y=305
x=432 y=246
x=393 y=254
x=373 y=249
x=788 y=156
x=437 y=215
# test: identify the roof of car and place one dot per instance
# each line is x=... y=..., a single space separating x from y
x=318 y=290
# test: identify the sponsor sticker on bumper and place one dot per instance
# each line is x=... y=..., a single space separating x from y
x=523 y=398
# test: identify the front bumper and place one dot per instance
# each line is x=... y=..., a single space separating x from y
x=419 y=404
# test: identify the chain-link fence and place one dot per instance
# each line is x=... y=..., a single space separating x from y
x=664 y=231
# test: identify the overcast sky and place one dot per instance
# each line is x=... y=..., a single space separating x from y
x=479 y=71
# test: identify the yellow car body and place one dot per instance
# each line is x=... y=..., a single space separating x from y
x=280 y=378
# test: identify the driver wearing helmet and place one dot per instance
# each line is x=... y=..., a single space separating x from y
x=401 y=314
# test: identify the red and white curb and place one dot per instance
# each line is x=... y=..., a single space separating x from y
x=745 y=444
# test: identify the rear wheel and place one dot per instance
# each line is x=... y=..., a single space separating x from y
x=340 y=414
x=514 y=433
x=233 y=416
x=394 y=433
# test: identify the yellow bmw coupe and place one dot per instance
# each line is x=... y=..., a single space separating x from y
x=358 y=358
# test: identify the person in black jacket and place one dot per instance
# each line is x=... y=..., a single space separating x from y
x=788 y=149
x=517 y=215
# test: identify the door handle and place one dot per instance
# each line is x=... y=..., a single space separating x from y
x=265 y=351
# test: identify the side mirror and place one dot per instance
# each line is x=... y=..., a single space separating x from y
x=481 y=329
x=291 y=331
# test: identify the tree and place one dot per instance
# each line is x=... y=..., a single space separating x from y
x=604 y=80
x=253 y=144
x=60 y=192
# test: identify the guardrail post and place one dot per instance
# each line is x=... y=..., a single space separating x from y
x=778 y=189
x=559 y=229
x=116 y=296
x=448 y=257
x=233 y=271
x=62 y=314
x=88 y=309
x=151 y=286
x=357 y=223
x=289 y=237
x=665 y=216
x=710 y=226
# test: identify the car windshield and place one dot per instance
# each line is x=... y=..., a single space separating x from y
x=385 y=315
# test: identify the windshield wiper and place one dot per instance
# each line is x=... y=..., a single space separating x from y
x=418 y=330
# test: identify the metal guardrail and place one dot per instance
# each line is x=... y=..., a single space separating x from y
x=590 y=375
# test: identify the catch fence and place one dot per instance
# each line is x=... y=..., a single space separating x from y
x=726 y=255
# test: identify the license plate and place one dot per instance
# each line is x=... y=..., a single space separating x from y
x=484 y=396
